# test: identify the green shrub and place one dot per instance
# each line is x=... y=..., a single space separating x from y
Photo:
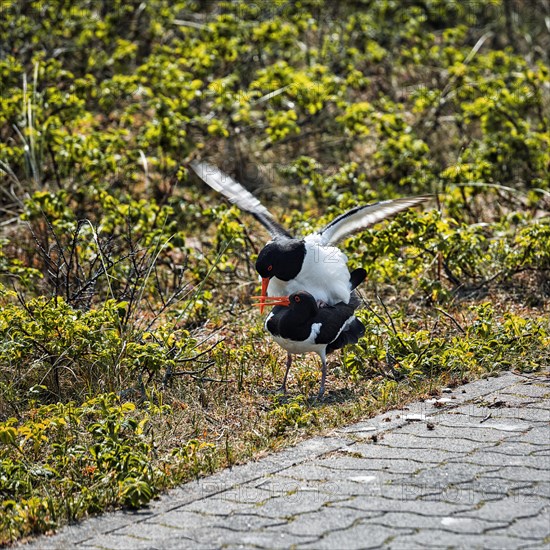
x=93 y=456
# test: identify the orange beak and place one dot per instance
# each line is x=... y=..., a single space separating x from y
x=265 y=284
x=271 y=301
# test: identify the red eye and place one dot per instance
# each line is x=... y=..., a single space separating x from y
x=270 y=268
x=296 y=298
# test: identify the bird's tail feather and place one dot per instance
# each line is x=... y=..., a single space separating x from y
x=357 y=276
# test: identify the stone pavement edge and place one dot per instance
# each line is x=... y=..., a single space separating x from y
x=470 y=469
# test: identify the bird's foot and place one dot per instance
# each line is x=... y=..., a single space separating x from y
x=321 y=303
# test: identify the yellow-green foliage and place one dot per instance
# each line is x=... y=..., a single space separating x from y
x=52 y=351
x=52 y=462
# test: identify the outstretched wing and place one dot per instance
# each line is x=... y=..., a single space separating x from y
x=238 y=195
x=362 y=216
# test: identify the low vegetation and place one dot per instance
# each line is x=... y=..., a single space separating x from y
x=131 y=358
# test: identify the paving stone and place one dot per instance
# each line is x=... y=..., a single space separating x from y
x=440 y=447
x=485 y=386
x=297 y=503
x=160 y=530
x=536 y=435
x=491 y=425
x=490 y=458
x=469 y=495
x=518 y=474
x=179 y=519
x=180 y=543
x=466 y=494
x=424 y=507
x=523 y=414
x=358 y=429
x=419 y=454
x=445 y=539
x=360 y=485
x=218 y=507
x=402 y=465
x=503 y=406
x=487 y=488
x=362 y=430
x=246 y=522
x=455 y=524
x=119 y=542
x=538 y=390
x=218 y=538
x=235 y=522
x=247 y=493
x=446 y=474
x=397 y=491
x=414 y=412
x=511 y=400
x=323 y=486
x=322 y=522
x=359 y=536
x=539 y=405
x=537 y=489
x=479 y=478
x=77 y=534
x=454 y=432
x=307 y=471
x=351 y=481
x=534 y=527
x=510 y=447
x=509 y=508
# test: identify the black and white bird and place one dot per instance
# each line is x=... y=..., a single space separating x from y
x=300 y=326
x=287 y=264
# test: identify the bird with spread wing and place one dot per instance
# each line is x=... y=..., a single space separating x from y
x=289 y=264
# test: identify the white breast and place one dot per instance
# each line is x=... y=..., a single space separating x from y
x=305 y=346
x=324 y=274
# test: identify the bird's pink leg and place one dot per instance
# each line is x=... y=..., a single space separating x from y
x=323 y=376
x=288 y=363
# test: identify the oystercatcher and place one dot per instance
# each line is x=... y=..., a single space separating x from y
x=287 y=264
x=299 y=326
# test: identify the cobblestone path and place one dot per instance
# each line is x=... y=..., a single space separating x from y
x=468 y=470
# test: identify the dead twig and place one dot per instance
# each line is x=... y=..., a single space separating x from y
x=193 y=373
x=392 y=324
x=450 y=317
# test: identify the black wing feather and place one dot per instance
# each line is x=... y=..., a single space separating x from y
x=332 y=318
x=360 y=217
x=238 y=195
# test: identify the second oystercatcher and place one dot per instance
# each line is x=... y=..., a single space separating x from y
x=300 y=326
x=287 y=264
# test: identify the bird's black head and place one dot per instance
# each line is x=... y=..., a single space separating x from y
x=303 y=303
x=281 y=258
